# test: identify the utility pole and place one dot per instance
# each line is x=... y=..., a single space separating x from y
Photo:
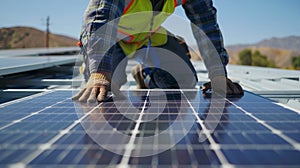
x=47 y=31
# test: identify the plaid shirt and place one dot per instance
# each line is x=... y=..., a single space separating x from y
x=97 y=45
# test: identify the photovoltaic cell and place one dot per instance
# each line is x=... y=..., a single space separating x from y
x=48 y=130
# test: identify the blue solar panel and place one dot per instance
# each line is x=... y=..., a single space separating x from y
x=51 y=130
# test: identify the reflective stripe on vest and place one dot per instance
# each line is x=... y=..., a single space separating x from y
x=127 y=3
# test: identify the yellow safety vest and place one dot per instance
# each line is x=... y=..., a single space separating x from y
x=134 y=26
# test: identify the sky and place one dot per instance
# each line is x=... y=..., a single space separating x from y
x=241 y=21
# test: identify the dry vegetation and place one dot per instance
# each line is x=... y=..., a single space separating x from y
x=281 y=57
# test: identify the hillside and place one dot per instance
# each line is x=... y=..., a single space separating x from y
x=27 y=37
x=280 y=50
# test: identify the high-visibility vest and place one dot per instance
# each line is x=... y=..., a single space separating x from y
x=138 y=21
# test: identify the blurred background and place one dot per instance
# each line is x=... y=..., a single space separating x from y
x=268 y=28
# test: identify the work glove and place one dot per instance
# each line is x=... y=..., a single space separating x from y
x=232 y=88
x=96 y=88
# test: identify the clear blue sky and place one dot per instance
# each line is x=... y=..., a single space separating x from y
x=242 y=21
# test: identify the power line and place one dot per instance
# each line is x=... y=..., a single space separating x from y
x=47 y=31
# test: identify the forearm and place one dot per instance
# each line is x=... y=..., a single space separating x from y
x=97 y=36
x=203 y=16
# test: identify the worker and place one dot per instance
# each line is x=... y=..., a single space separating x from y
x=105 y=62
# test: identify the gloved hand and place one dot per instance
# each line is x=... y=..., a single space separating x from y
x=232 y=88
x=96 y=88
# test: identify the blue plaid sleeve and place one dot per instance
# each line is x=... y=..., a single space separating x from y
x=202 y=13
x=97 y=35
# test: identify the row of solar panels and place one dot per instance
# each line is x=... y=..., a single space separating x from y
x=22 y=60
x=37 y=51
x=49 y=129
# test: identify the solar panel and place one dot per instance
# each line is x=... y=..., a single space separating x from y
x=49 y=129
x=10 y=65
x=37 y=51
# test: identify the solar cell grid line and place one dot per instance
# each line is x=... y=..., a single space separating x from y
x=287 y=107
x=216 y=147
x=294 y=143
x=191 y=154
x=129 y=146
x=30 y=115
x=23 y=99
x=48 y=145
x=157 y=141
x=241 y=139
x=169 y=157
x=174 y=161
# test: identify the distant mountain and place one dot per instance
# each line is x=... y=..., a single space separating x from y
x=27 y=37
x=287 y=43
x=280 y=50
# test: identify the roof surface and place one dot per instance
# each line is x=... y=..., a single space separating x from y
x=157 y=128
